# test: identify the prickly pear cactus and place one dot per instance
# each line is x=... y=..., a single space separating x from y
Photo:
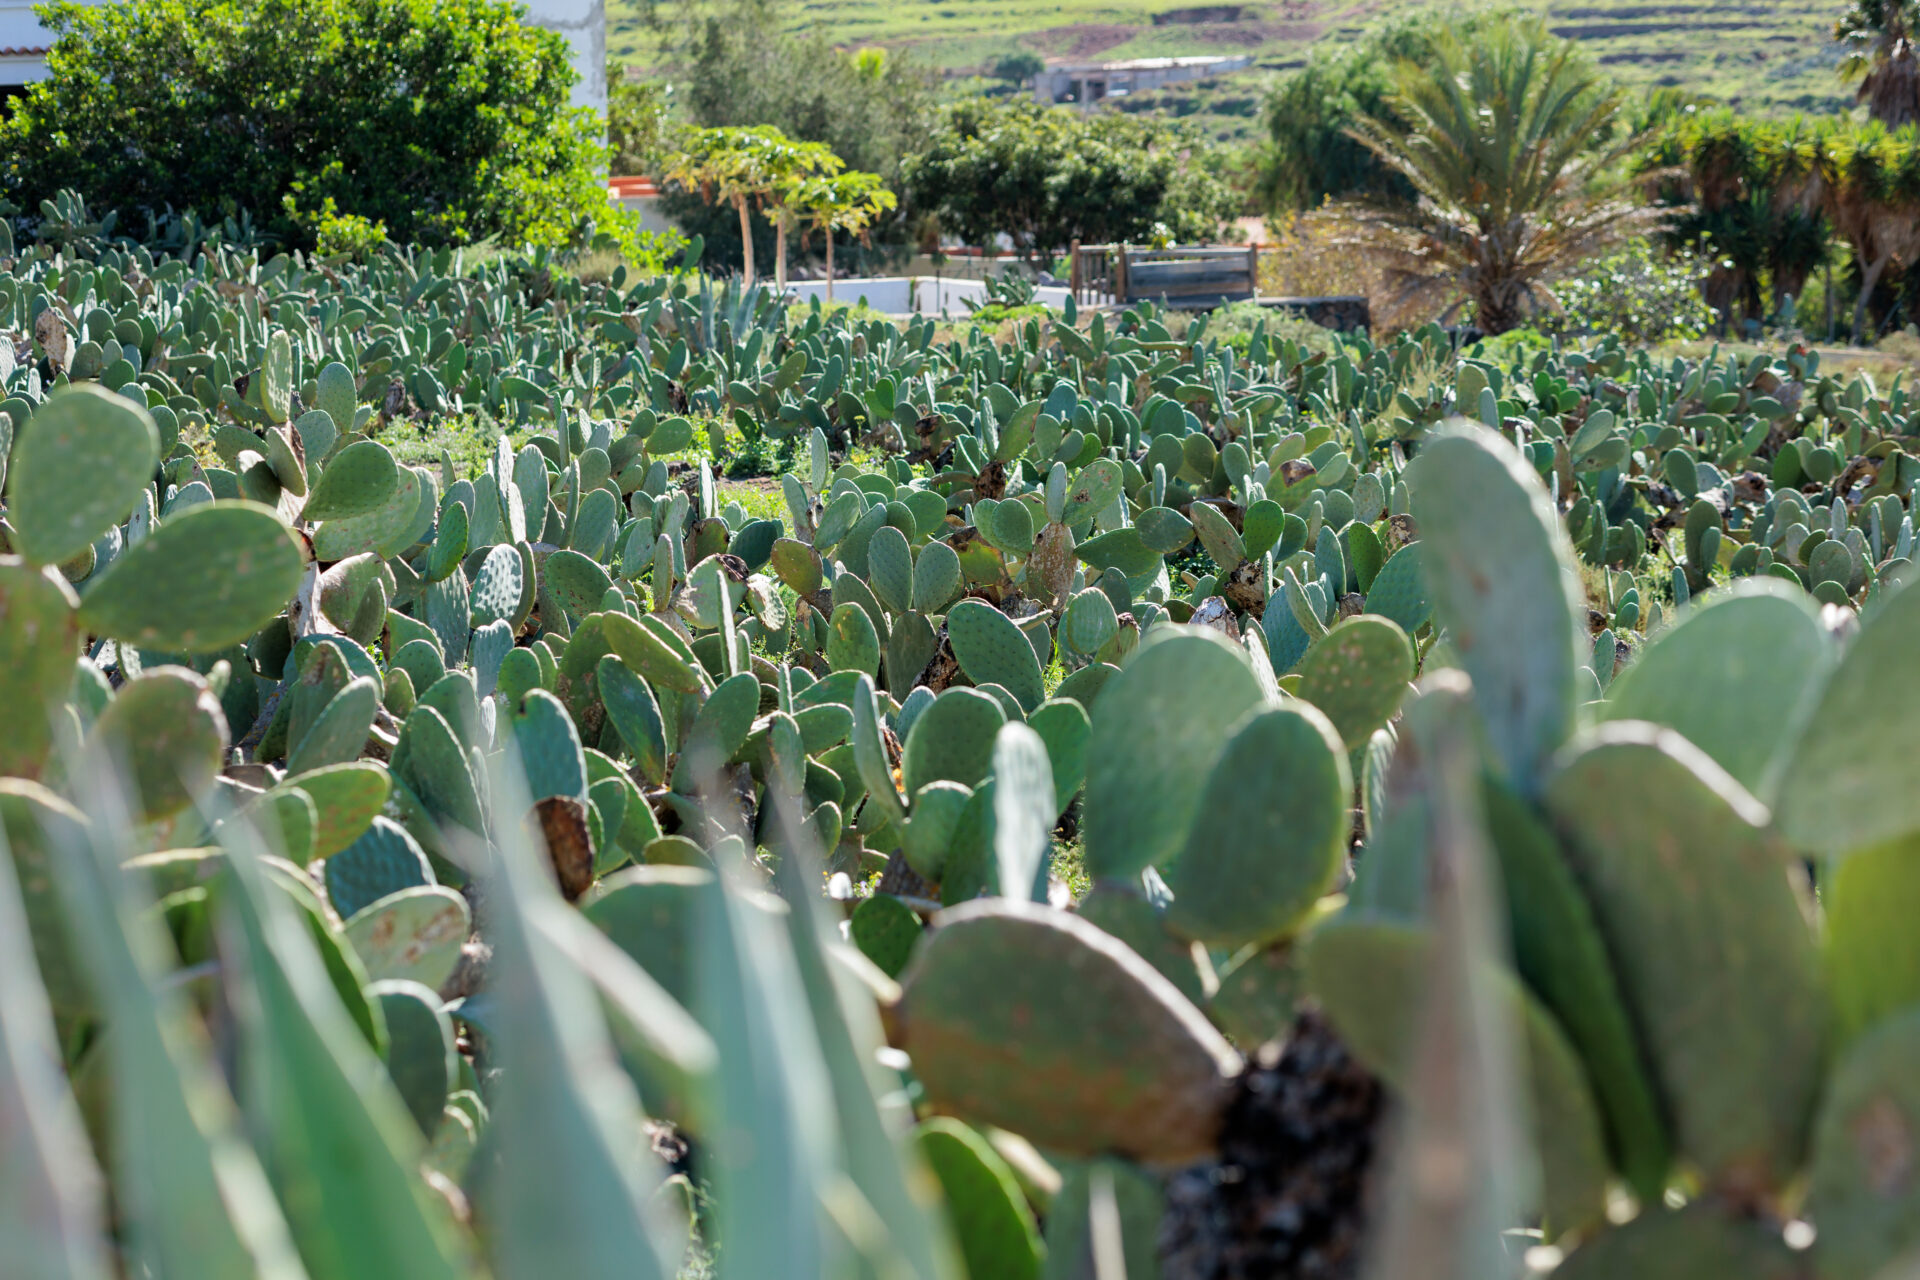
x=1030 y=1019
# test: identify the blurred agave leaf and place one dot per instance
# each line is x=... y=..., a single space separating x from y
x=882 y=1164
x=193 y=1200
x=326 y=1119
x=50 y=1207
x=771 y=1157
x=561 y=1106
x=1461 y=1169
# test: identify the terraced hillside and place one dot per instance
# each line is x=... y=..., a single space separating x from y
x=1767 y=55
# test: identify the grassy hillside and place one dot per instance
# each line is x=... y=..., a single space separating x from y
x=1763 y=55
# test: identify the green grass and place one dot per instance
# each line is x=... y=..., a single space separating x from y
x=1769 y=56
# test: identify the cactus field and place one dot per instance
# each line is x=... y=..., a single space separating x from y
x=1487 y=772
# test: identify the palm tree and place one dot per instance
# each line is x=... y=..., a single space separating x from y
x=1503 y=143
x=1878 y=36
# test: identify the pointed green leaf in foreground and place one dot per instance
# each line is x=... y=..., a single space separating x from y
x=329 y=1125
x=192 y=1198
x=873 y=1113
x=50 y=1204
x=561 y=1102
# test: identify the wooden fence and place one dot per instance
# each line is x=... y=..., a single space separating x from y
x=1119 y=274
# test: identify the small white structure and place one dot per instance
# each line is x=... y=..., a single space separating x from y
x=911 y=295
x=1086 y=83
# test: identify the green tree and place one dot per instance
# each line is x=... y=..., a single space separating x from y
x=446 y=120
x=793 y=169
x=741 y=63
x=742 y=168
x=1878 y=36
x=1020 y=67
x=849 y=201
x=1311 y=153
x=1046 y=176
x=1504 y=141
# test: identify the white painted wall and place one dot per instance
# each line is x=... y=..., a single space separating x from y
x=910 y=295
x=584 y=24
x=23 y=43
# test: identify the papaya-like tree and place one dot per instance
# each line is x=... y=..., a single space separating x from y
x=736 y=166
x=848 y=201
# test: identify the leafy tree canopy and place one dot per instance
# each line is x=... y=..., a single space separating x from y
x=1046 y=176
x=446 y=120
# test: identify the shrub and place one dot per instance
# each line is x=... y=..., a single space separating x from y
x=446 y=120
x=1638 y=292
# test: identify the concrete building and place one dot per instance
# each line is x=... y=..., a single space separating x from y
x=1088 y=83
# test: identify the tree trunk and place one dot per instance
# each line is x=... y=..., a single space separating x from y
x=829 y=266
x=780 y=253
x=746 y=238
x=1868 y=280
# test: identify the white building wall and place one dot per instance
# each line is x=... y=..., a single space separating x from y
x=584 y=24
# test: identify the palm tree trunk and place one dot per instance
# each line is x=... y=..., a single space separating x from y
x=746 y=237
x=829 y=266
x=1868 y=280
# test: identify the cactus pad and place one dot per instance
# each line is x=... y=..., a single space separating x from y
x=420 y=1049
x=952 y=739
x=1686 y=878
x=1698 y=678
x=415 y=934
x=1844 y=788
x=206 y=578
x=39 y=645
x=383 y=861
x=1269 y=834
x=886 y=930
x=1863 y=1198
x=1357 y=675
x=360 y=480
x=1033 y=1020
x=169 y=730
x=79 y=466
x=991 y=1221
x=1158 y=729
x=1512 y=625
x=992 y=650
